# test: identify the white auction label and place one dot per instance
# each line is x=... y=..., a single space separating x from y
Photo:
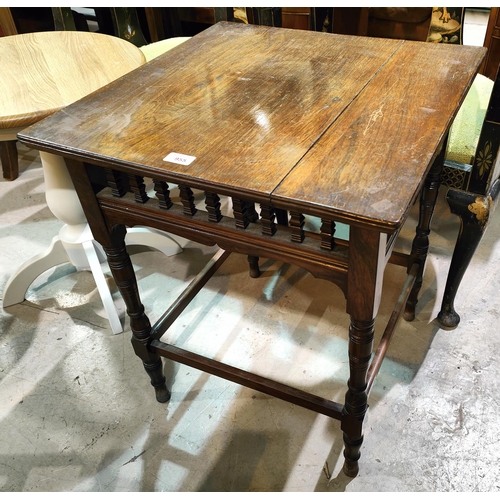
x=179 y=158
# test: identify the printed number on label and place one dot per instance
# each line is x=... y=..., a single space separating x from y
x=179 y=158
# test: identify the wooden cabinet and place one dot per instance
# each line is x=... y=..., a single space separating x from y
x=492 y=42
x=296 y=17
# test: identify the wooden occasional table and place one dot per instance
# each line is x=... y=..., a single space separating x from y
x=286 y=123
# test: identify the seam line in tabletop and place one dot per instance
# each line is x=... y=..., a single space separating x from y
x=177 y=177
x=318 y=138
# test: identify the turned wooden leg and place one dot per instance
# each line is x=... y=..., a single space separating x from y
x=113 y=243
x=9 y=157
x=420 y=246
x=474 y=212
x=124 y=275
x=365 y=275
x=356 y=399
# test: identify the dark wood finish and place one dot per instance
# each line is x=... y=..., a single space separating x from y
x=7 y=24
x=126 y=25
x=205 y=15
x=282 y=391
x=117 y=181
x=268 y=218
x=297 y=122
x=163 y=194
x=155 y=24
x=188 y=21
x=63 y=19
x=327 y=234
x=474 y=203
x=296 y=223
x=9 y=159
x=350 y=20
x=187 y=199
x=265 y=16
x=213 y=207
x=420 y=246
x=253 y=264
x=137 y=186
x=300 y=18
x=406 y=23
x=492 y=43
x=474 y=212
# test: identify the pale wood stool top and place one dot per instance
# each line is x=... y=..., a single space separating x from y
x=44 y=72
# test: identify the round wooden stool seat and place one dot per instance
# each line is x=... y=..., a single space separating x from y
x=44 y=72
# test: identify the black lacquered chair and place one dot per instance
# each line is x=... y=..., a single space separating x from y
x=473 y=195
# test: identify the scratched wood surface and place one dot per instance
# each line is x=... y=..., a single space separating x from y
x=313 y=120
x=248 y=102
x=372 y=161
x=44 y=72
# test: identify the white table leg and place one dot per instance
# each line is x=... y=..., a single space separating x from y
x=75 y=242
x=102 y=286
x=152 y=238
x=15 y=289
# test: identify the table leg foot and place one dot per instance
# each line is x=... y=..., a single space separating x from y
x=158 y=381
x=123 y=272
x=9 y=158
x=351 y=455
x=254 y=266
x=411 y=305
x=448 y=318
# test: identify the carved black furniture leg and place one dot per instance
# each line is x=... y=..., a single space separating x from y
x=420 y=246
x=9 y=158
x=474 y=212
x=124 y=275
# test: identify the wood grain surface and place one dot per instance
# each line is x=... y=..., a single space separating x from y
x=346 y=125
x=44 y=72
x=377 y=153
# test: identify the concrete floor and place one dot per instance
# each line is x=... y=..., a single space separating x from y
x=78 y=412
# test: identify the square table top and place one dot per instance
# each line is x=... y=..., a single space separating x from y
x=331 y=125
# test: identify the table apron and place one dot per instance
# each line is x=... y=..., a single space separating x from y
x=249 y=241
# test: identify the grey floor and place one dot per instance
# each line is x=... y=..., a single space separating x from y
x=77 y=412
